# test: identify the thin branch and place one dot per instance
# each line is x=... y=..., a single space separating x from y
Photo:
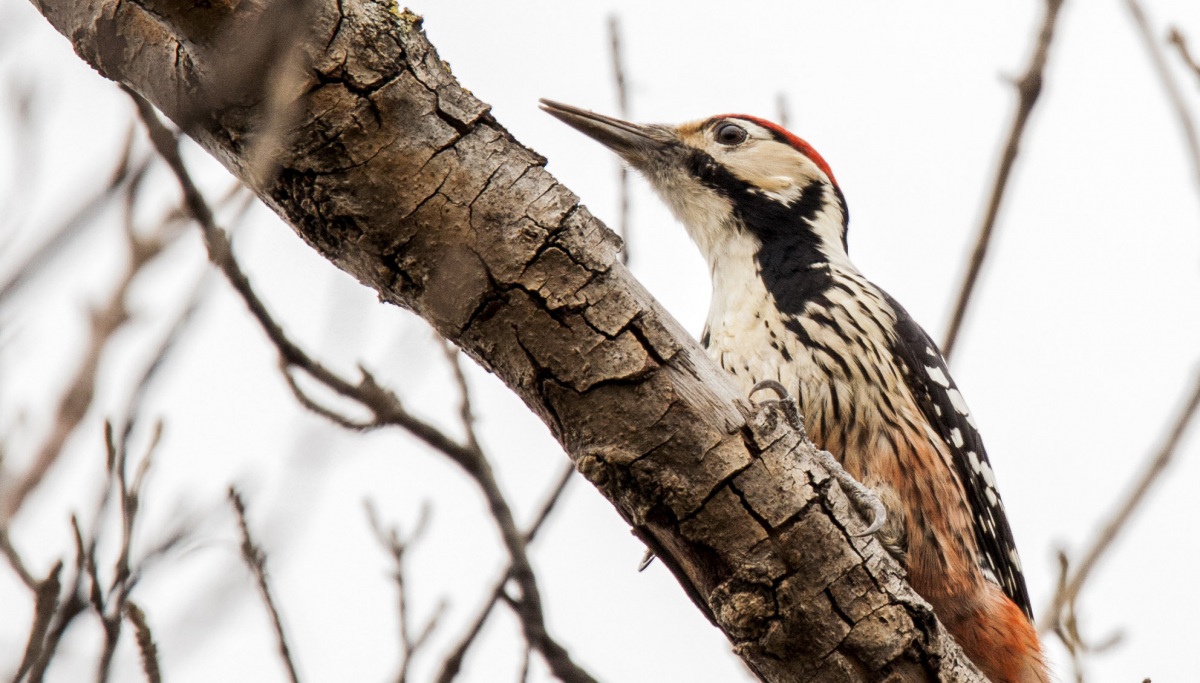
x=1069 y=589
x=145 y=642
x=397 y=547
x=526 y=659
x=622 y=89
x=65 y=612
x=452 y=664
x=43 y=612
x=1154 y=49
x=1176 y=38
x=256 y=560
x=14 y=560
x=1029 y=87
x=317 y=407
x=130 y=495
x=465 y=412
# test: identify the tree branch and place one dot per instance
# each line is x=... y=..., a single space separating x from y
x=452 y=664
x=622 y=89
x=1029 y=87
x=1176 y=38
x=1069 y=588
x=1174 y=96
x=256 y=560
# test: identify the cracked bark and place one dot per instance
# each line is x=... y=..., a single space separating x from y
x=402 y=178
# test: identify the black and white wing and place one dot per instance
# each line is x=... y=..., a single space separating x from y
x=944 y=408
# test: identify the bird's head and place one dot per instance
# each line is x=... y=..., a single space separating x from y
x=738 y=183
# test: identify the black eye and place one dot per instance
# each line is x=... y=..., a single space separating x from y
x=730 y=134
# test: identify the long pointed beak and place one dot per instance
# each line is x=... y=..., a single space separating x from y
x=637 y=144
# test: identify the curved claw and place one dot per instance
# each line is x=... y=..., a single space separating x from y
x=791 y=411
x=772 y=385
x=878 y=512
x=863 y=499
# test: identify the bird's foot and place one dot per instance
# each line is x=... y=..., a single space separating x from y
x=785 y=401
x=865 y=500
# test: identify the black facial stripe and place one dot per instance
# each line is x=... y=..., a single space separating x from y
x=790 y=261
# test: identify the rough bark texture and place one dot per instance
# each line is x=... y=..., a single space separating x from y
x=402 y=178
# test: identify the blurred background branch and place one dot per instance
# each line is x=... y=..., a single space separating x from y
x=1029 y=89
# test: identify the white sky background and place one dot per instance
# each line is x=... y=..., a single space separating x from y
x=1085 y=331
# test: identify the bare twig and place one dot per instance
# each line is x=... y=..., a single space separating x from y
x=43 y=613
x=452 y=664
x=397 y=547
x=64 y=614
x=14 y=560
x=1068 y=632
x=256 y=560
x=1154 y=49
x=110 y=604
x=465 y=412
x=622 y=88
x=1176 y=38
x=1029 y=87
x=130 y=494
x=1069 y=589
x=523 y=676
x=145 y=642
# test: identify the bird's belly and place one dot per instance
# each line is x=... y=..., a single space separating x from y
x=753 y=349
x=850 y=409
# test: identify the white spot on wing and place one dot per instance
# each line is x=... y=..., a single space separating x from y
x=957 y=401
x=988 y=476
x=974 y=459
x=956 y=437
x=991 y=495
x=937 y=375
x=1012 y=557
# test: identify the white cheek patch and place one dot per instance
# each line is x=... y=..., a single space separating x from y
x=777 y=169
x=782 y=189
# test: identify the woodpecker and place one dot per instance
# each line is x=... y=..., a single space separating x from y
x=788 y=305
